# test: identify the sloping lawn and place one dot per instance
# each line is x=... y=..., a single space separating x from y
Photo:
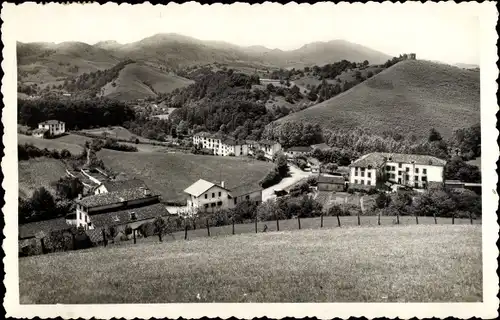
x=433 y=263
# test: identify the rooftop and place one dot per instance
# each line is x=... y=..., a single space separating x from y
x=244 y=189
x=51 y=122
x=40 y=130
x=321 y=146
x=331 y=179
x=378 y=159
x=124 y=216
x=114 y=197
x=119 y=185
x=300 y=149
x=29 y=230
x=200 y=186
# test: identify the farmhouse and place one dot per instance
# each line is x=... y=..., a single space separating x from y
x=53 y=127
x=220 y=144
x=31 y=233
x=208 y=196
x=415 y=171
x=269 y=147
x=331 y=183
x=297 y=151
x=134 y=205
x=315 y=165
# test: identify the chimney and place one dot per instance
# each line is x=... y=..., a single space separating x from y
x=222 y=184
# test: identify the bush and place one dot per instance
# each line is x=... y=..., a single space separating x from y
x=128 y=230
x=270 y=179
x=312 y=181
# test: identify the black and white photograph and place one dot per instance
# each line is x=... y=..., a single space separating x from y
x=250 y=160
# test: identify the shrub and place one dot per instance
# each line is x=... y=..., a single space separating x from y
x=128 y=230
x=270 y=179
x=312 y=181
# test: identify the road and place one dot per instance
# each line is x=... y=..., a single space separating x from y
x=295 y=175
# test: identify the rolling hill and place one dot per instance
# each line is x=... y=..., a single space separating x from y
x=139 y=81
x=411 y=96
x=48 y=62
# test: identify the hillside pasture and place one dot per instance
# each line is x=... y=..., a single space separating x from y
x=171 y=173
x=411 y=96
x=37 y=173
x=51 y=144
x=382 y=264
x=140 y=81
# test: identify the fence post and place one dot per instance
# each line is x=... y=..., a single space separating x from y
x=435 y=219
x=194 y=224
x=135 y=240
x=378 y=218
x=338 y=219
x=470 y=217
x=233 y=225
x=416 y=217
x=185 y=232
x=359 y=220
x=208 y=228
x=278 y=223
x=298 y=218
x=104 y=240
x=256 y=224
x=397 y=217
x=159 y=236
x=42 y=243
x=321 y=220
x=453 y=218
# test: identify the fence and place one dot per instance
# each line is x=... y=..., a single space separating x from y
x=100 y=237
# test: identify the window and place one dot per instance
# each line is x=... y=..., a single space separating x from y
x=86 y=219
x=355 y=181
x=369 y=182
x=133 y=216
x=400 y=165
x=388 y=168
x=213 y=194
x=400 y=173
x=219 y=203
x=416 y=170
x=388 y=175
x=219 y=193
x=362 y=182
x=393 y=176
x=212 y=204
x=80 y=216
x=235 y=200
x=393 y=168
x=416 y=184
x=362 y=173
x=416 y=178
x=424 y=171
x=399 y=180
x=424 y=179
x=369 y=174
x=206 y=196
x=247 y=197
x=206 y=205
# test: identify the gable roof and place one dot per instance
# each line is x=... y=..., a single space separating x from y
x=200 y=186
x=51 y=122
x=40 y=130
x=123 y=216
x=378 y=159
x=114 y=197
x=300 y=149
x=331 y=179
x=245 y=189
x=29 y=230
x=118 y=185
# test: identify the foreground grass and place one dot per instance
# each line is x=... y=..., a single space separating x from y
x=439 y=263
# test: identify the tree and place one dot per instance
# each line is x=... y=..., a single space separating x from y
x=43 y=203
x=182 y=128
x=434 y=135
x=382 y=200
x=366 y=63
x=457 y=169
x=68 y=187
x=282 y=165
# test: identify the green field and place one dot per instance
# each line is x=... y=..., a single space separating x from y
x=50 y=144
x=171 y=173
x=411 y=96
x=438 y=263
x=36 y=173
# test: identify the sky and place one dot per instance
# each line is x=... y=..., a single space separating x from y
x=442 y=31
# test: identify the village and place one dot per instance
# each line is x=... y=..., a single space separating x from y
x=128 y=206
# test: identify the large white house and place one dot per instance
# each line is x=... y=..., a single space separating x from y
x=220 y=144
x=410 y=170
x=53 y=127
x=209 y=197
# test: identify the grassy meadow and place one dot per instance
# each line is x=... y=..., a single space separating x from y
x=171 y=173
x=36 y=173
x=404 y=97
x=50 y=143
x=439 y=263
